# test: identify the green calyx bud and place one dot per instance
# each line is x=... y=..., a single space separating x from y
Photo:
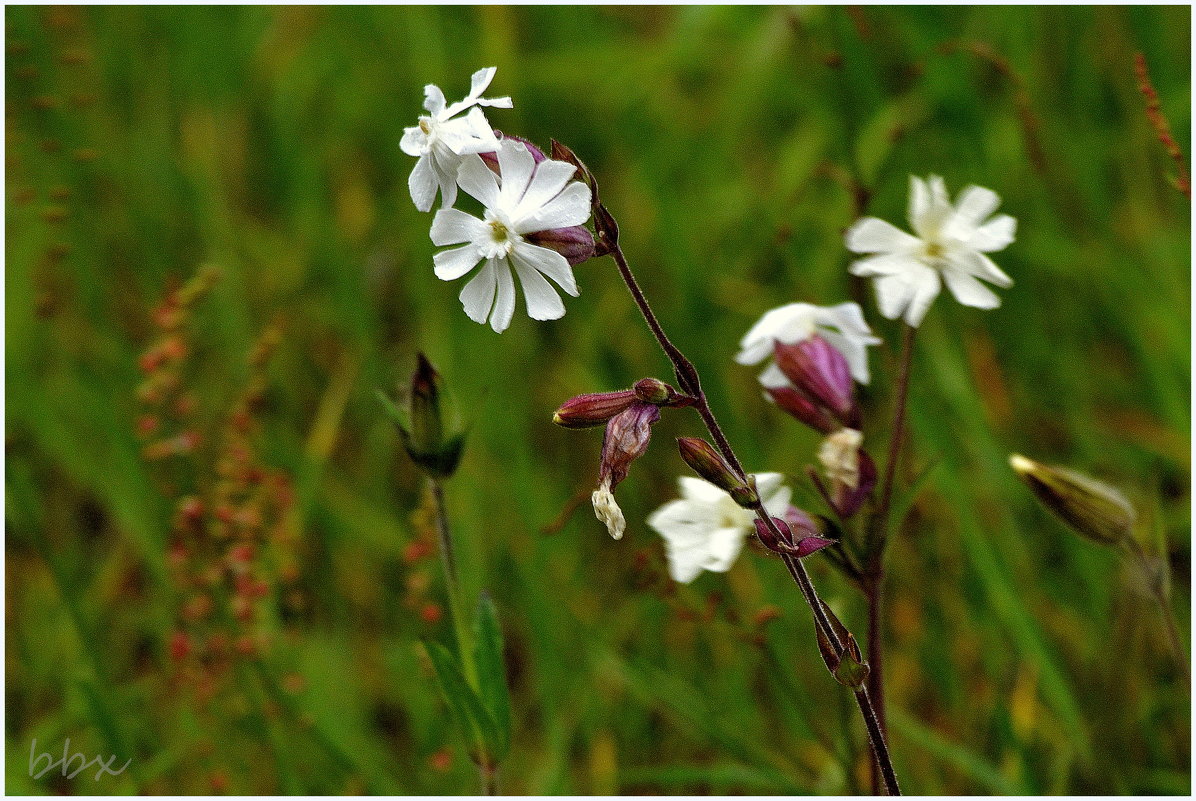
x=1091 y=508
x=421 y=424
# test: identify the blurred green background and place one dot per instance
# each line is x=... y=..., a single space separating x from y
x=144 y=143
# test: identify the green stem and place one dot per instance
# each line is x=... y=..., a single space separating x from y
x=1158 y=592
x=452 y=583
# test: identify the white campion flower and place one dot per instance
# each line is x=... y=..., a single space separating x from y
x=842 y=326
x=530 y=198
x=951 y=242
x=440 y=139
x=705 y=529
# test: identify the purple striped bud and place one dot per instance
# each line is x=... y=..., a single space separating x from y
x=804 y=409
x=710 y=465
x=574 y=242
x=821 y=374
x=594 y=409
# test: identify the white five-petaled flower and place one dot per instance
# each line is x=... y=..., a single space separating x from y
x=530 y=198
x=441 y=139
x=705 y=529
x=842 y=326
x=951 y=242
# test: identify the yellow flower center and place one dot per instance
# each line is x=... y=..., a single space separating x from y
x=499 y=232
x=424 y=126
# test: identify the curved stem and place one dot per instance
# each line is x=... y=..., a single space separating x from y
x=687 y=377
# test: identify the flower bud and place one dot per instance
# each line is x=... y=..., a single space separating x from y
x=574 y=242
x=653 y=390
x=710 y=465
x=846 y=664
x=594 y=409
x=840 y=456
x=421 y=424
x=1091 y=508
x=799 y=535
x=848 y=500
x=801 y=407
x=820 y=373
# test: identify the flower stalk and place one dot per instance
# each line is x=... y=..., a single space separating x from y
x=690 y=383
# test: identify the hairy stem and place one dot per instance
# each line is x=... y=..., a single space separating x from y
x=872 y=584
x=452 y=583
x=886 y=485
x=687 y=377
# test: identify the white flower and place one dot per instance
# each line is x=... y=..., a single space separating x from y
x=840 y=456
x=531 y=198
x=705 y=529
x=951 y=242
x=842 y=326
x=440 y=141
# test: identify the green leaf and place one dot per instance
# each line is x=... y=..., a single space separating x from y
x=491 y=671
x=464 y=703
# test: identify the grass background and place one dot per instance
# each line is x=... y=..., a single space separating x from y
x=143 y=143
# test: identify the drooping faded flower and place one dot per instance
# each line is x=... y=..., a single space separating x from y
x=441 y=139
x=529 y=198
x=705 y=528
x=843 y=326
x=950 y=246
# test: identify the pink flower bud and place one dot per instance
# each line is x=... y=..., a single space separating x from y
x=710 y=465
x=574 y=242
x=594 y=409
x=820 y=373
x=804 y=409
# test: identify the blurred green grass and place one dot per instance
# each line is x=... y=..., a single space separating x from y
x=145 y=142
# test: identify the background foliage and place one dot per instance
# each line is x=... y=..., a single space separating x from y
x=143 y=143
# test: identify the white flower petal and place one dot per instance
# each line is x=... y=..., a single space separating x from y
x=433 y=99
x=791 y=323
x=700 y=490
x=925 y=287
x=480 y=80
x=681 y=522
x=722 y=548
x=975 y=204
x=413 y=142
x=453 y=226
x=982 y=266
x=469 y=134
x=547 y=181
x=773 y=378
x=456 y=262
x=994 y=235
x=504 y=302
x=478 y=295
x=885 y=264
x=549 y=262
x=515 y=165
x=478 y=180
x=854 y=350
x=848 y=318
x=969 y=291
x=570 y=207
x=422 y=184
x=543 y=302
x=777 y=502
x=919 y=201
x=873 y=235
x=768 y=483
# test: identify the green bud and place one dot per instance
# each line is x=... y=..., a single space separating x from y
x=1091 y=508
x=421 y=424
x=710 y=465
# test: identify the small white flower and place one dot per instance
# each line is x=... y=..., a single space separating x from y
x=840 y=456
x=842 y=326
x=705 y=529
x=531 y=198
x=951 y=242
x=440 y=141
